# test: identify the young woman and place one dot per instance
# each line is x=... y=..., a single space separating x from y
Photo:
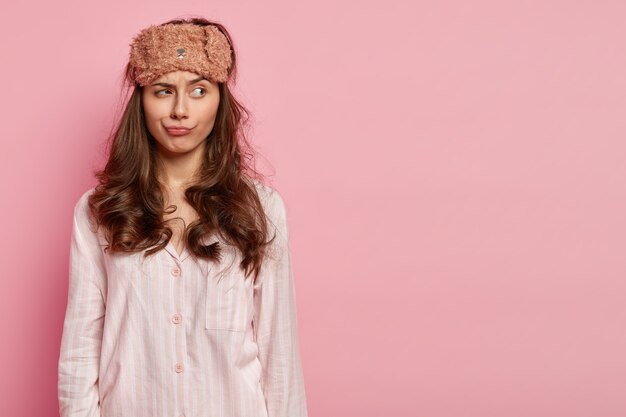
x=181 y=298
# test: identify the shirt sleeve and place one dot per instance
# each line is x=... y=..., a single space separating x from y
x=275 y=323
x=79 y=356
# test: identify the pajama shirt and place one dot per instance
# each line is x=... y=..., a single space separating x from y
x=171 y=336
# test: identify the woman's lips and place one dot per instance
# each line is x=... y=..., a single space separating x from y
x=173 y=131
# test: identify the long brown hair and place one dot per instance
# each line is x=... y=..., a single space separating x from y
x=128 y=202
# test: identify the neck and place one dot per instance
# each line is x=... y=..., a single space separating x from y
x=179 y=170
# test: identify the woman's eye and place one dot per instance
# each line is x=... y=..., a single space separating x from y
x=201 y=89
x=163 y=92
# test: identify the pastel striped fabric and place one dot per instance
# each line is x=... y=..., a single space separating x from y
x=169 y=336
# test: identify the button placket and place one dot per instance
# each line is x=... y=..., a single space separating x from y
x=179 y=331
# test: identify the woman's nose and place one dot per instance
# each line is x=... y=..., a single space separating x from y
x=180 y=108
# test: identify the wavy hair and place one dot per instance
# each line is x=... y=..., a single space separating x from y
x=128 y=203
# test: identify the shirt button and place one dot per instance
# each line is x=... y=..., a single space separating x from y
x=175 y=271
x=176 y=318
x=178 y=367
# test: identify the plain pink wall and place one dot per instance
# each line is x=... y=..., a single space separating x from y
x=454 y=173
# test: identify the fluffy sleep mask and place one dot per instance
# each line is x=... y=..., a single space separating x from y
x=157 y=50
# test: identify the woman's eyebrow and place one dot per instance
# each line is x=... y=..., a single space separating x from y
x=195 y=80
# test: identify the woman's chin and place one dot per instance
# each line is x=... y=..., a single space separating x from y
x=179 y=149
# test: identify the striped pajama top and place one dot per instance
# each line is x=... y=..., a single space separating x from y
x=170 y=336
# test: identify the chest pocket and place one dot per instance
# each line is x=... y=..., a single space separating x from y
x=226 y=301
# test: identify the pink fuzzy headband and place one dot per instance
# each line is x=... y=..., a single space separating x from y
x=157 y=50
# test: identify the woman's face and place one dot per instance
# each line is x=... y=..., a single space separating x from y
x=184 y=100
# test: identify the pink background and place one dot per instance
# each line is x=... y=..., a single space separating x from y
x=454 y=175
